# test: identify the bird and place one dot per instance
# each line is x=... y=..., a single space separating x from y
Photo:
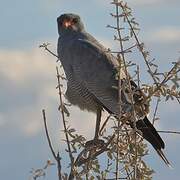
x=91 y=73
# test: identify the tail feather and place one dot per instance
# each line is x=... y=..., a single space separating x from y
x=163 y=157
x=151 y=135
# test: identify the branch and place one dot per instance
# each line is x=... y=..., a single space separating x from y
x=119 y=90
x=63 y=116
x=45 y=46
x=47 y=135
x=129 y=85
x=62 y=109
x=137 y=40
x=167 y=78
x=170 y=132
x=128 y=50
x=155 y=111
x=57 y=158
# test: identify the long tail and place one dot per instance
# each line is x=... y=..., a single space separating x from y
x=152 y=136
x=163 y=157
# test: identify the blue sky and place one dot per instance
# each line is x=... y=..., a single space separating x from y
x=27 y=77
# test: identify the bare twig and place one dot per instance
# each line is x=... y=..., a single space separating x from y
x=47 y=134
x=119 y=91
x=138 y=76
x=137 y=40
x=125 y=51
x=155 y=111
x=57 y=158
x=170 y=132
x=59 y=166
x=166 y=78
x=63 y=116
x=45 y=46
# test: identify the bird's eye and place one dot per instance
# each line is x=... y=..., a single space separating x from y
x=75 y=20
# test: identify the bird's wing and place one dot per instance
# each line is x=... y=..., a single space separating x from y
x=96 y=70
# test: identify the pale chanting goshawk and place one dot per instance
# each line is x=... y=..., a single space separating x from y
x=91 y=73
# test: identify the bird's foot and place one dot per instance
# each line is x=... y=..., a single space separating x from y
x=92 y=149
x=94 y=142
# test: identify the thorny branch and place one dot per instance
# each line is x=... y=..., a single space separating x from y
x=126 y=13
x=120 y=38
x=63 y=116
x=45 y=46
x=167 y=77
x=170 y=132
x=155 y=111
x=47 y=135
x=57 y=158
x=62 y=108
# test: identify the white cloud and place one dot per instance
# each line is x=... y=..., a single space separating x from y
x=31 y=122
x=22 y=65
x=30 y=78
x=164 y=34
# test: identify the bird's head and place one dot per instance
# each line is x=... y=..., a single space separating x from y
x=69 y=23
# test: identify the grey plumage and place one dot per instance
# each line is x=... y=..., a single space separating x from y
x=87 y=64
x=91 y=73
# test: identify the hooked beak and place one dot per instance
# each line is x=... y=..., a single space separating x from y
x=67 y=23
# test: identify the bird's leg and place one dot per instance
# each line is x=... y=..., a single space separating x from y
x=98 y=122
x=96 y=141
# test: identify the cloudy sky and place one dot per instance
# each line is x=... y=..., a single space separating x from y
x=27 y=77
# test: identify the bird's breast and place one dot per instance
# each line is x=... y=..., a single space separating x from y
x=78 y=94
